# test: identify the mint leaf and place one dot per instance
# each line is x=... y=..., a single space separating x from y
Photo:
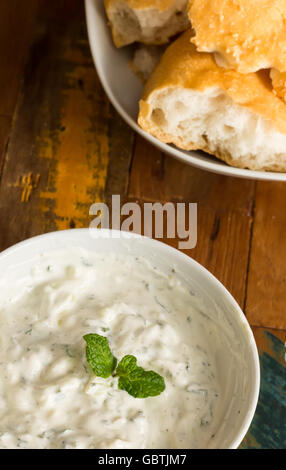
x=133 y=379
x=136 y=381
x=99 y=355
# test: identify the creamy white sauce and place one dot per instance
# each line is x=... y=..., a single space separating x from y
x=49 y=399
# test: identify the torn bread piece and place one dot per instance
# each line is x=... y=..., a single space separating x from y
x=191 y=102
x=279 y=83
x=246 y=35
x=146 y=21
x=145 y=60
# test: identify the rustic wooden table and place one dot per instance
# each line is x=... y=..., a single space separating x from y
x=63 y=147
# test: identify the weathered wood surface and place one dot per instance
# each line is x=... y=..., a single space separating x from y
x=5 y=124
x=16 y=23
x=266 y=293
x=268 y=430
x=63 y=135
x=63 y=147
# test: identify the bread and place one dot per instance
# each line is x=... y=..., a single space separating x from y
x=191 y=102
x=145 y=59
x=279 y=83
x=146 y=21
x=246 y=35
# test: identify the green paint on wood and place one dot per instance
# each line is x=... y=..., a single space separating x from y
x=268 y=429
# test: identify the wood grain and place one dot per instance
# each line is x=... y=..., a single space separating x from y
x=16 y=21
x=224 y=211
x=58 y=154
x=266 y=293
x=121 y=141
x=5 y=124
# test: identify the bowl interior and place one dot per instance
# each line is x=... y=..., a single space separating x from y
x=124 y=90
x=236 y=358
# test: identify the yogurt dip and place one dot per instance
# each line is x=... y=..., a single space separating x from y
x=48 y=396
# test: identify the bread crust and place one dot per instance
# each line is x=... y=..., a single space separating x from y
x=247 y=35
x=183 y=67
x=279 y=83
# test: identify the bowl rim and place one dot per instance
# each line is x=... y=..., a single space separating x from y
x=159 y=245
x=191 y=158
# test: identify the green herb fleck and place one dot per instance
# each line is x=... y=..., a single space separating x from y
x=136 y=381
x=104 y=329
x=99 y=355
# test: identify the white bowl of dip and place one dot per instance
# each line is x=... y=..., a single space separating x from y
x=150 y=300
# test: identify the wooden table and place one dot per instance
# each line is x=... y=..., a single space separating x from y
x=63 y=147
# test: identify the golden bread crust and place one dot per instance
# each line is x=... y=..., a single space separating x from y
x=279 y=83
x=248 y=35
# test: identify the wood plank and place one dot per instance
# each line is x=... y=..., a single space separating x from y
x=5 y=124
x=266 y=294
x=224 y=211
x=121 y=141
x=268 y=430
x=16 y=21
x=58 y=153
x=271 y=342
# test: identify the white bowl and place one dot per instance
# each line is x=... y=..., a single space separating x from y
x=124 y=90
x=236 y=413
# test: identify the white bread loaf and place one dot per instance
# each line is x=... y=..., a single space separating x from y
x=146 y=21
x=191 y=102
x=246 y=35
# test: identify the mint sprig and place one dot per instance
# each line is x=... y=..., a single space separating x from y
x=135 y=380
x=99 y=355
